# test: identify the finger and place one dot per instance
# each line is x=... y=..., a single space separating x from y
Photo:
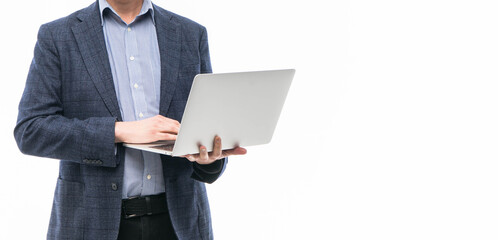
x=165 y=124
x=169 y=129
x=166 y=136
x=216 y=153
x=169 y=121
x=203 y=154
x=234 y=151
x=191 y=157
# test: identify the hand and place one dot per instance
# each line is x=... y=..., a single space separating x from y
x=148 y=130
x=207 y=158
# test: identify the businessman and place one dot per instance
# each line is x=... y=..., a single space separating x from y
x=119 y=71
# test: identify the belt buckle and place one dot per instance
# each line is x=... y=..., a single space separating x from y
x=130 y=216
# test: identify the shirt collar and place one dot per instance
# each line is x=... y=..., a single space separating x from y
x=146 y=6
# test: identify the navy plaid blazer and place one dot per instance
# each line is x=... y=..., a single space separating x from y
x=68 y=111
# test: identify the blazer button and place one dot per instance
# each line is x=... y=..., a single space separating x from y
x=114 y=186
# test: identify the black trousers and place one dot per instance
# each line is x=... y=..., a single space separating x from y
x=153 y=227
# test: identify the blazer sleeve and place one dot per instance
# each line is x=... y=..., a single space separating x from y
x=210 y=172
x=42 y=129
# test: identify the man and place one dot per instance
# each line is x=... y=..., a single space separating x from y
x=119 y=71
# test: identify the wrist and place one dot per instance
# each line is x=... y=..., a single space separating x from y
x=119 y=135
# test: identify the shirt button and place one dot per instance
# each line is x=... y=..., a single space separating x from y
x=132 y=58
x=149 y=176
x=141 y=115
x=129 y=29
x=114 y=186
x=135 y=86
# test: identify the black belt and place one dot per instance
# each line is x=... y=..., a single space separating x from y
x=147 y=205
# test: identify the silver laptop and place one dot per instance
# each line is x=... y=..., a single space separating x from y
x=242 y=108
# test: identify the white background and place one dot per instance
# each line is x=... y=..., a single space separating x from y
x=390 y=130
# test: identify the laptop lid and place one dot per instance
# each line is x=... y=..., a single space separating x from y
x=242 y=108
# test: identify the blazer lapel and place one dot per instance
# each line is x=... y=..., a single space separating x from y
x=169 y=40
x=91 y=42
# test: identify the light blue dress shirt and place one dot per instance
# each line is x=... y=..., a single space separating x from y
x=135 y=63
